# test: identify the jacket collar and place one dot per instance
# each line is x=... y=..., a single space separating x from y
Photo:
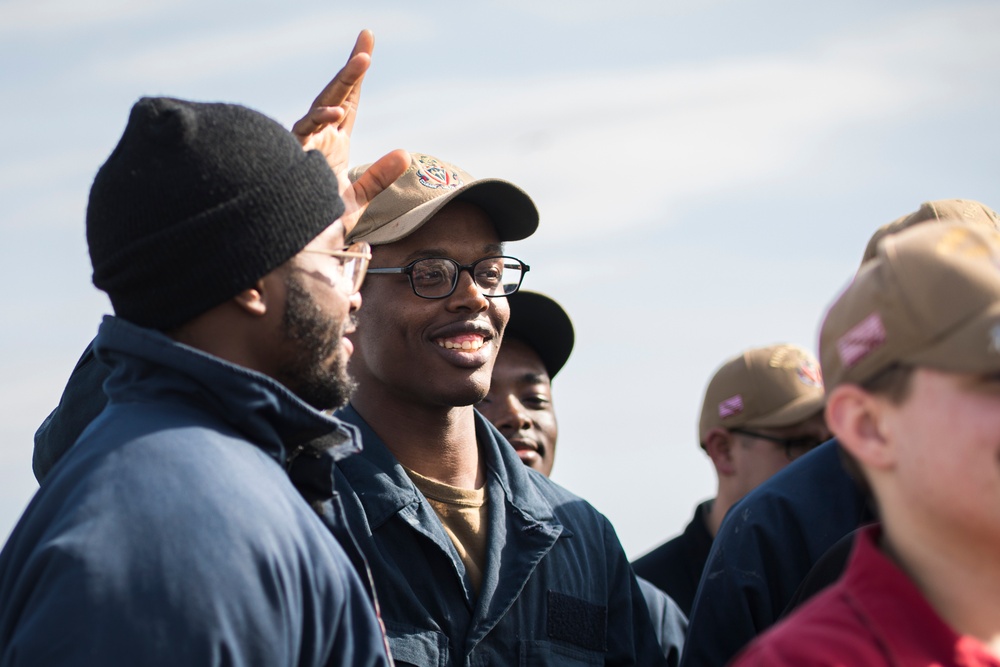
x=388 y=489
x=146 y=364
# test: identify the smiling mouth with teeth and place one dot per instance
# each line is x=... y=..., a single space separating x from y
x=464 y=343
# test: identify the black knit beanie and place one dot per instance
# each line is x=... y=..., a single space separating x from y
x=196 y=203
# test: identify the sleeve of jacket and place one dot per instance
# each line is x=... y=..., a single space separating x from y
x=166 y=570
x=631 y=635
x=69 y=625
x=734 y=602
x=669 y=621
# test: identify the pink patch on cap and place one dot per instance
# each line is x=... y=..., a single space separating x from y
x=731 y=406
x=863 y=338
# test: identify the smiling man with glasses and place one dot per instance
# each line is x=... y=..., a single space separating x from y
x=476 y=559
x=762 y=409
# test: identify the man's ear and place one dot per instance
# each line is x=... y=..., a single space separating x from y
x=719 y=445
x=255 y=301
x=856 y=418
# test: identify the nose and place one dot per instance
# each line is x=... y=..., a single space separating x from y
x=355 y=302
x=467 y=293
x=513 y=416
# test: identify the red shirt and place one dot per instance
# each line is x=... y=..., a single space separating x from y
x=873 y=615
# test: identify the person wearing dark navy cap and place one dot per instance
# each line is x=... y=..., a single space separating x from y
x=536 y=345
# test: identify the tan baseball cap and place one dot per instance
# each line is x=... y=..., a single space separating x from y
x=964 y=211
x=774 y=386
x=426 y=187
x=930 y=297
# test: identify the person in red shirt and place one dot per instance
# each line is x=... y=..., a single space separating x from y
x=910 y=354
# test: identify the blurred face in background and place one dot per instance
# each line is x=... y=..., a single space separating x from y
x=519 y=404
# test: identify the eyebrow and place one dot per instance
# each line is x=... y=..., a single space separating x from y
x=535 y=378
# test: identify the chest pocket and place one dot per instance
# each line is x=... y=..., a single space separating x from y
x=577 y=630
x=425 y=648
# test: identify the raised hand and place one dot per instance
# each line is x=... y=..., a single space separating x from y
x=327 y=127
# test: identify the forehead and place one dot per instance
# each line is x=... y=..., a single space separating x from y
x=520 y=361
x=460 y=230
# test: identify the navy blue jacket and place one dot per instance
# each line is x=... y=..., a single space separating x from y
x=81 y=401
x=557 y=588
x=669 y=622
x=676 y=565
x=171 y=533
x=766 y=545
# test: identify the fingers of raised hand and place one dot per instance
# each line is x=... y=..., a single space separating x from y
x=379 y=176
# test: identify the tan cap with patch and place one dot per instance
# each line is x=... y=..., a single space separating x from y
x=930 y=297
x=964 y=211
x=423 y=190
x=775 y=386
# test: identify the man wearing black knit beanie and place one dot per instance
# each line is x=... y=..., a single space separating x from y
x=194 y=520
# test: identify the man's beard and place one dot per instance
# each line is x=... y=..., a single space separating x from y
x=317 y=373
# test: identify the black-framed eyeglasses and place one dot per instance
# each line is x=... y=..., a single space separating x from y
x=794 y=447
x=437 y=277
x=353 y=262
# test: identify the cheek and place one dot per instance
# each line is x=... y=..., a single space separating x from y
x=766 y=463
x=546 y=421
x=377 y=317
x=952 y=449
x=499 y=314
x=488 y=410
x=373 y=337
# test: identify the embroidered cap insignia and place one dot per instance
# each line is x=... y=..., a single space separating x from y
x=809 y=373
x=435 y=174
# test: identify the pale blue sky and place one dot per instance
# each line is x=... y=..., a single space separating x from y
x=707 y=173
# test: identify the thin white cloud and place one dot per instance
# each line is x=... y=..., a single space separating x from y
x=240 y=49
x=25 y=18
x=624 y=145
x=589 y=11
x=667 y=133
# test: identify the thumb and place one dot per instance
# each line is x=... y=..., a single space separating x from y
x=379 y=176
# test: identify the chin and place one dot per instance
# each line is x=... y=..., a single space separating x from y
x=458 y=397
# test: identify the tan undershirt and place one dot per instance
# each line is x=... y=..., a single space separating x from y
x=463 y=515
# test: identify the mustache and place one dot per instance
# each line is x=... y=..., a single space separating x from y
x=350 y=324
